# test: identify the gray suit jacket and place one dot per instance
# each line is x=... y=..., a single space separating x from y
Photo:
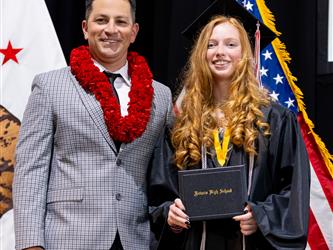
x=71 y=189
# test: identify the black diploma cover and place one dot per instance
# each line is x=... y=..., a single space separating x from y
x=213 y=193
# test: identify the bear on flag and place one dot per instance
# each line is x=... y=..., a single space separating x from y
x=28 y=46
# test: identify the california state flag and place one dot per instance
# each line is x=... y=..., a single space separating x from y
x=28 y=46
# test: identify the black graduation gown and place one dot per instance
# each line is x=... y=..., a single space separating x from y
x=279 y=195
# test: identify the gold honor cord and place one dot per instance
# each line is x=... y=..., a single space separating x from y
x=221 y=152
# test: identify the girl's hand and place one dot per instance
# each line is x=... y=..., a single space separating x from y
x=248 y=224
x=177 y=219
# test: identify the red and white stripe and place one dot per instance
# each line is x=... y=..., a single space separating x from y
x=321 y=195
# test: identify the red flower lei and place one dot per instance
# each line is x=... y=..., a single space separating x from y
x=124 y=129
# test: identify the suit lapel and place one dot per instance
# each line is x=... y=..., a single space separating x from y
x=95 y=111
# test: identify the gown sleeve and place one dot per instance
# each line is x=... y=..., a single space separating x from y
x=162 y=191
x=282 y=183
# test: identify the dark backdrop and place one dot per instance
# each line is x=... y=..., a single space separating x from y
x=302 y=24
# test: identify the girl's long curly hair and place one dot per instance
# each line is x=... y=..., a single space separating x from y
x=196 y=121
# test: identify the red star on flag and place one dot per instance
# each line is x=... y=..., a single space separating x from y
x=10 y=53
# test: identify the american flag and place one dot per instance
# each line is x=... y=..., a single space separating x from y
x=274 y=79
x=277 y=78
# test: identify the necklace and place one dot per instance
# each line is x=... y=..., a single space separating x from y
x=124 y=129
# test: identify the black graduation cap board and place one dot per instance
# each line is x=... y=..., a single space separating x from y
x=233 y=9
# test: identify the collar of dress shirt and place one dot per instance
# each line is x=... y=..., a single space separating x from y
x=123 y=71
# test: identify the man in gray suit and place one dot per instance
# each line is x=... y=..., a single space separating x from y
x=86 y=141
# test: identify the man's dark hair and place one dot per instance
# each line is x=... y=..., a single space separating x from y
x=90 y=2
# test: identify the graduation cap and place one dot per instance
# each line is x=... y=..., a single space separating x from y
x=234 y=9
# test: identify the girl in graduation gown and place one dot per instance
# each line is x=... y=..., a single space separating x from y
x=223 y=104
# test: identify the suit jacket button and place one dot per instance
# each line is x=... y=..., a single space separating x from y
x=118 y=197
x=118 y=162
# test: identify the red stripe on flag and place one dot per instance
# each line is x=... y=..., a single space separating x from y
x=175 y=109
x=316 y=241
x=317 y=161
